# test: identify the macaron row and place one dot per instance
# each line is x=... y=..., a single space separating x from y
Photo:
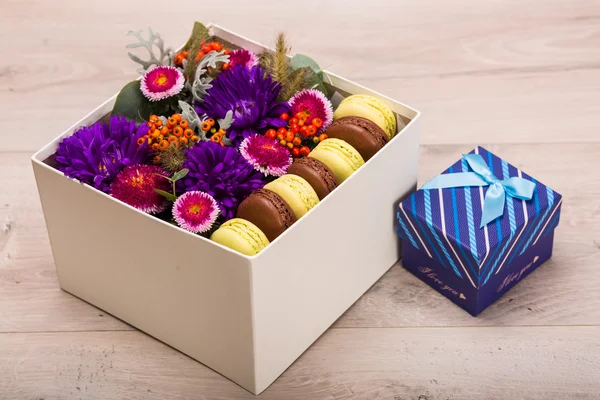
x=362 y=126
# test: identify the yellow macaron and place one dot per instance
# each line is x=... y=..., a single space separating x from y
x=241 y=235
x=341 y=158
x=369 y=107
x=296 y=191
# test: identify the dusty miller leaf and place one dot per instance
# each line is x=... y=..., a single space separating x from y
x=202 y=82
x=153 y=41
x=188 y=113
x=226 y=122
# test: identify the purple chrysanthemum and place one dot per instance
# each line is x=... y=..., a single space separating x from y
x=242 y=57
x=195 y=211
x=266 y=155
x=97 y=153
x=161 y=82
x=222 y=172
x=251 y=96
x=315 y=102
x=135 y=186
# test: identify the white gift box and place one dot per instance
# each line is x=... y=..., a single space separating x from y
x=247 y=318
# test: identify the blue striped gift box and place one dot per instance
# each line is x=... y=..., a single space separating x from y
x=473 y=266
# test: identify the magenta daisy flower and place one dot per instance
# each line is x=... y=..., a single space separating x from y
x=242 y=57
x=161 y=82
x=195 y=211
x=316 y=104
x=135 y=186
x=266 y=155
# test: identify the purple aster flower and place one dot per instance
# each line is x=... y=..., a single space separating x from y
x=222 y=172
x=313 y=102
x=97 y=153
x=161 y=82
x=135 y=186
x=195 y=211
x=266 y=155
x=251 y=96
x=242 y=57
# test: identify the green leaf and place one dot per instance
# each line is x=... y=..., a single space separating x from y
x=132 y=103
x=180 y=174
x=302 y=61
x=314 y=82
x=167 y=195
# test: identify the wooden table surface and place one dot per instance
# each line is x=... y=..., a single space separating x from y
x=521 y=78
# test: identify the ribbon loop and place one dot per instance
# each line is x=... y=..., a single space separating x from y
x=495 y=197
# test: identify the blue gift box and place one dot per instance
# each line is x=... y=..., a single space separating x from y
x=449 y=243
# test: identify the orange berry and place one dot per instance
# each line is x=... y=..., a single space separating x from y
x=177 y=117
x=183 y=140
x=194 y=138
x=188 y=133
x=289 y=136
x=226 y=51
x=323 y=136
x=155 y=146
x=178 y=131
x=164 y=131
x=199 y=56
x=297 y=141
x=155 y=133
x=211 y=121
x=163 y=144
x=153 y=118
x=186 y=53
x=184 y=124
x=225 y=66
x=304 y=151
x=205 y=126
x=301 y=121
x=158 y=123
x=171 y=122
x=178 y=59
x=141 y=141
x=172 y=138
x=216 y=46
x=282 y=142
x=290 y=145
x=156 y=159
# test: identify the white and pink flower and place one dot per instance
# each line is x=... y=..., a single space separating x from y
x=162 y=82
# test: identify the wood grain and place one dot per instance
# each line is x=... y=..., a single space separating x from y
x=441 y=363
x=520 y=78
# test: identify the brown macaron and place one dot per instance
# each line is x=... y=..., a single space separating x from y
x=365 y=136
x=268 y=211
x=317 y=174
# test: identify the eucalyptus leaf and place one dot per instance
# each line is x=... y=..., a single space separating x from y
x=302 y=61
x=132 y=103
x=180 y=174
x=167 y=195
x=313 y=81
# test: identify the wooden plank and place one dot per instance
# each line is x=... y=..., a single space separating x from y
x=550 y=296
x=443 y=363
x=563 y=291
x=473 y=78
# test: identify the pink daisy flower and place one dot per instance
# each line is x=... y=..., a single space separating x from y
x=135 y=186
x=316 y=104
x=161 y=82
x=242 y=57
x=195 y=211
x=266 y=155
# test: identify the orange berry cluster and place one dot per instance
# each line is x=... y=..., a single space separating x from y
x=216 y=135
x=204 y=50
x=160 y=136
x=300 y=127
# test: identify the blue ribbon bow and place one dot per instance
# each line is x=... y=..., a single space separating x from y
x=493 y=205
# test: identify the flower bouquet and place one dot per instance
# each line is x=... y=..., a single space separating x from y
x=207 y=126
